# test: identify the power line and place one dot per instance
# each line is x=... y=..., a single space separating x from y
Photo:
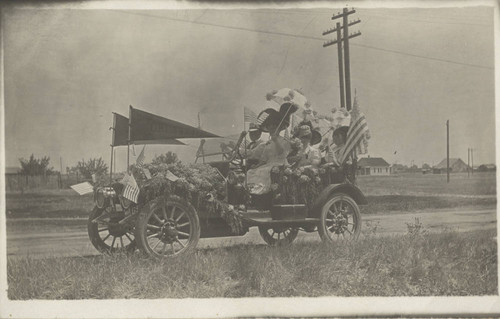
x=468 y=17
x=424 y=21
x=301 y=37
x=424 y=57
x=411 y=18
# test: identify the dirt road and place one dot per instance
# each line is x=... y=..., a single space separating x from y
x=72 y=240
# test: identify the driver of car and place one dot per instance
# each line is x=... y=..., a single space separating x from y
x=272 y=153
x=247 y=149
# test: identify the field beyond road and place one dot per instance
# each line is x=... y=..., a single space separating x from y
x=407 y=192
x=481 y=184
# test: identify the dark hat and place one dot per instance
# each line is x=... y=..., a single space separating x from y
x=315 y=134
x=253 y=127
x=316 y=137
x=271 y=117
x=288 y=108
x=303 y=131
x=342 y=129
x=254 y=131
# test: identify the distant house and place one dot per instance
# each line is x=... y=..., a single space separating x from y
x=456 y=165
x=487 y=168
x=373 y=166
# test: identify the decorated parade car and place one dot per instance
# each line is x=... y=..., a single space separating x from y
x=163 y=209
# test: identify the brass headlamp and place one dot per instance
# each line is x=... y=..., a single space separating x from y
x=103 y=196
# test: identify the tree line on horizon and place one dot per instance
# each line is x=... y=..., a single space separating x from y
x=86 y=168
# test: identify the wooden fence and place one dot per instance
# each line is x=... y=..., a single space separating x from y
x=20 y=182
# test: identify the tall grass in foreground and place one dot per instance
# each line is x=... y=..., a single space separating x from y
x=415 y=264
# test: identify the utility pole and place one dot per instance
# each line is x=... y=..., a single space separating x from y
x=447 y=151
x=60 y=173
x=345 y=59
x=341 y=66
x=472 y=160
x=468 y=162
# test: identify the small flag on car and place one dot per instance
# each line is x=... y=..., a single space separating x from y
x=131 y=191
x=249 y=115
x=140 y=159
x=140 y=163
x=83 y=188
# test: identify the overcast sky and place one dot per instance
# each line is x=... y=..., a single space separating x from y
x=67 y=70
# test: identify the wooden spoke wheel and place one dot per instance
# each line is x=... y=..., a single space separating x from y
x=340 y=219
x=278 y=236
x=107 y=235
x=168 y=228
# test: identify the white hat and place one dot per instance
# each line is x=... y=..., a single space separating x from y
x=340 y=117
x=288 y=95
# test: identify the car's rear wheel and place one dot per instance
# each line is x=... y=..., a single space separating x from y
x=340 y=219
x=278 y=236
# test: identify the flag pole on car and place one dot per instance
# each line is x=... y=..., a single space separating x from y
x=112 y=149
x=128 y=141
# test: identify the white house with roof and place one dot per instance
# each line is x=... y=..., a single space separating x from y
x=373 y=166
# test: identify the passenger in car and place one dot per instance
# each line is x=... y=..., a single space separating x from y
x=309 y=154
x=335 y=149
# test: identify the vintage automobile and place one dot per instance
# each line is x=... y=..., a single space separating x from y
x=166 y=226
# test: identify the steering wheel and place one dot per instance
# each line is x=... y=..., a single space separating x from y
x=236 y=158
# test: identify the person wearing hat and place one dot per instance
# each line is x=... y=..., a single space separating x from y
x=272 y=153
x=254 y=133
x=334 y=150
x=333 y=145
x=308 y=154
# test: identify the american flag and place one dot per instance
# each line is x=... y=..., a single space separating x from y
x=358 y=134
x=131 y=191
x=140 y=159
x=140 y=164
x=249 y=115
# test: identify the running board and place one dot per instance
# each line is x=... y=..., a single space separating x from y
x=254 y=213
x=261 y=221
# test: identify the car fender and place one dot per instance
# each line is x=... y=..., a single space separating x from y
x=333 y=189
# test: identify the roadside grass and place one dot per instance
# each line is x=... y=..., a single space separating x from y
x=481 y=183
x=415 y=264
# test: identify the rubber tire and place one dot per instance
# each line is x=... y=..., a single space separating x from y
x=95 y=238
x=273 y=241
x=145 y=215
x=322 y=227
